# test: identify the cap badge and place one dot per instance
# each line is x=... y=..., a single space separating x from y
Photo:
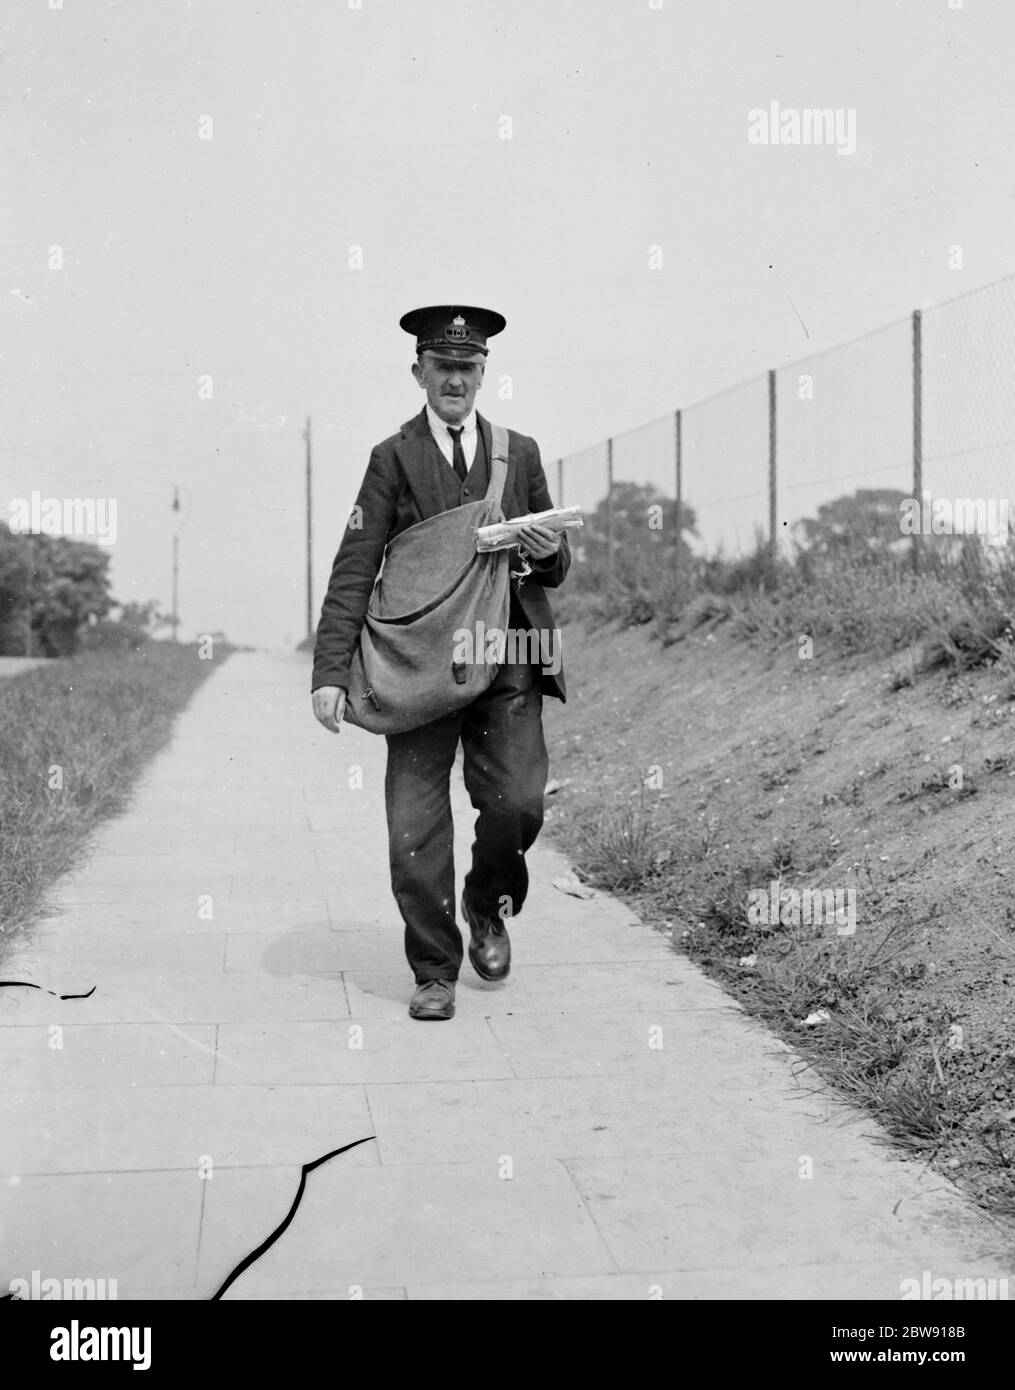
x=457 y=330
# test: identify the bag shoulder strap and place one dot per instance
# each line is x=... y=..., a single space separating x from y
x=498 y=464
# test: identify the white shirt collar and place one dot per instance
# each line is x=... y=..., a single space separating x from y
x=439 y=427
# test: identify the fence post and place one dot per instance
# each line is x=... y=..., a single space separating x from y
x=678 y=460
x=609 y=507
x=771 y=476
x=917 y=428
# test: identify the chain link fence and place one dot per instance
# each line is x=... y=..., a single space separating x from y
x=923 y=405
x=969 y=393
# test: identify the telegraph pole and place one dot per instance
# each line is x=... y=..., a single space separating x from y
x=176 y=564
x=917 y=425
x=310 y=538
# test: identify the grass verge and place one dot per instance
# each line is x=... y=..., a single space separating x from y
x=74 y=737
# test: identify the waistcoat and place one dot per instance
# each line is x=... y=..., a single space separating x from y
x=453 y=494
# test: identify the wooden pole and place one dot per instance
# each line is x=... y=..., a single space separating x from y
x=176 y=566
x=917 y=427
x=678 y=460
x=310 y=535
x=609 y=507
x=772 y=521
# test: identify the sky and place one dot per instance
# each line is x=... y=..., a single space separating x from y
x=215 y=213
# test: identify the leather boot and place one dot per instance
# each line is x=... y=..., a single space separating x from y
x=490 y=945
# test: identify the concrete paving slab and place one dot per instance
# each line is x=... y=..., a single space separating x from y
x=299 y=878
x=74 y=958
x=570 y=1117
x=359 y=1051
x=300 y=914
x=71 y=1056
x=269 y=845
x=621 y=1044
x=312 y=953
x=181 y=888
x=135 y=865
x=287 y=885
x=166 y=1127
x=367 y=911
x=684 y=1112
x=649 y=1212
x=392 y=1225
x=137 y=1228
x=174 y=844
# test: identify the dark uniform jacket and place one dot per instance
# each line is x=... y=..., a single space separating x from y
x=407 y=480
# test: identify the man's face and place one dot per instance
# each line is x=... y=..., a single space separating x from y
x=450 y=381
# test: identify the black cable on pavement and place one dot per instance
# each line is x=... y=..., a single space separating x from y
x=248 y=1260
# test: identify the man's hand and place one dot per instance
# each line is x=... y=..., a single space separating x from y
x=539 y=542
x=329 y=706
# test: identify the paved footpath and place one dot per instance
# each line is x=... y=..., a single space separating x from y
x=14 y=665
x=605 y=1124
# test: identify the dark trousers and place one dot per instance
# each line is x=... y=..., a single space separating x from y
x=505 y=775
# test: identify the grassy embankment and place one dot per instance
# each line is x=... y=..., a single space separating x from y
x=75 y=736
x=711 y=753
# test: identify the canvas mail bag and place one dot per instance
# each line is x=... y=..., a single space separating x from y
x=412 y=663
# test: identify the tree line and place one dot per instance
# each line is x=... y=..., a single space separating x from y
x=56 y=596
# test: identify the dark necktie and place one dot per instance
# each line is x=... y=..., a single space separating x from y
x=457 y=456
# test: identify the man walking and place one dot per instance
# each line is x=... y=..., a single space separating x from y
x=437 y=461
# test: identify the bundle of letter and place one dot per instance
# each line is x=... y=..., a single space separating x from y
x=503 y=534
